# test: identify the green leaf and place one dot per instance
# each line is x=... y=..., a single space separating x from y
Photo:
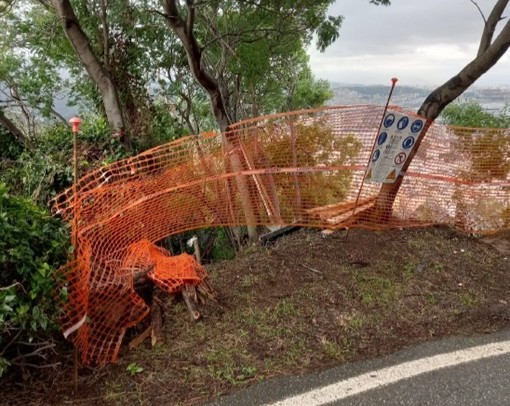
x=44 y=269
x=6 y=308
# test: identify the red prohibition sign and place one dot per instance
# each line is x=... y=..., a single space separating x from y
x=400 y=158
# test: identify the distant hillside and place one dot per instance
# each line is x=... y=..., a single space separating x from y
x=493 y=98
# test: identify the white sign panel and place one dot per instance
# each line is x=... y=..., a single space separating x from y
x=395 y=141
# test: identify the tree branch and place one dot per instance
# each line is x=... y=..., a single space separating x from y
x=11 y=342
x=58 y=116
x=89 y=60
x=2 y=288
x=490 y=24
x=480 y=10
x=106 y=35
x=190 y=23
x=194 y=55
x=7 y=7
x=453 y=88
x=439 y=98
x=38 y=352
x=14 y=130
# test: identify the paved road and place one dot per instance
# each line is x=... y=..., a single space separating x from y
x=455 y=371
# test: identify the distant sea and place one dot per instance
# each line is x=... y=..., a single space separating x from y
x=493 y=99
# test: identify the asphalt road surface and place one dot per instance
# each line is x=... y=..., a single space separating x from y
x=454 y=371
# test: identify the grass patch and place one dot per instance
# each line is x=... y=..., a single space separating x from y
x=373 y=293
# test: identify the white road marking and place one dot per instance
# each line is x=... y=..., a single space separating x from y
x=395 y=373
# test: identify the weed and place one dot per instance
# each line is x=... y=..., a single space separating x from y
x=222 y=249
x=332 y=350
x=250 y=249
x=285 y=308
x=134 y=369
x=468 y=299
x=229 y=366
x=375 y=289
x=295 y=353
x=409 y=270
x=249 y=280
x=247 y=372
x=431 y=298
x=356 y=323
x=112 y=389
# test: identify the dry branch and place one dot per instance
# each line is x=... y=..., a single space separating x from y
x=190 y=298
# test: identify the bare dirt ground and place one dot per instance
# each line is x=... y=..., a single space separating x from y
x=304 y=303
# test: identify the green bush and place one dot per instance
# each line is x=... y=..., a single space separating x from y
x=46 y=169
x=32 y=246
x=473 y=114
x=10 y=148
x=486 y=164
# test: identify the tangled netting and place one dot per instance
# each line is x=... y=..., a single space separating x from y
x=302 y=168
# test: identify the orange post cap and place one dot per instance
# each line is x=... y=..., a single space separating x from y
x=75 y=122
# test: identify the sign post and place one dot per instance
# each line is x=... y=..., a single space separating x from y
x=381 y=138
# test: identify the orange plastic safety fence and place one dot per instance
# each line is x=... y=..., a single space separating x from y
x=306 y=168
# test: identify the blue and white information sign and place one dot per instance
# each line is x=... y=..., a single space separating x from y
x=394 y=143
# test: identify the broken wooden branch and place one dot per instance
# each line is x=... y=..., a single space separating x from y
x=189 y=295
x=312 y=269
x=156 y=321
x=341 y=215
x=205 y=291
x=135 y=342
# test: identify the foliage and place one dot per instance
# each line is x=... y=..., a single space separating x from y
x=30 y=79
x=46 y=169
x=472 y=114
x=222 y=248
x=255 y=50
x=10 y=148
x=308 y=92
x=315 y=145
x=488 y=151
x=32 y=245
x=134 y=368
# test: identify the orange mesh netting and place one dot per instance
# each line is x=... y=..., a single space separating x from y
x=304 y=168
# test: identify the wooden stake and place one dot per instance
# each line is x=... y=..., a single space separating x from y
x=156 y=322
x=188 y=293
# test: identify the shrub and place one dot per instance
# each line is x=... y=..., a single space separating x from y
x=32 y=246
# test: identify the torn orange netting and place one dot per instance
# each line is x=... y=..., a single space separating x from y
x=317 y=168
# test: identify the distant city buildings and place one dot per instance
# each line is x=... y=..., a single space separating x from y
x=492 y=98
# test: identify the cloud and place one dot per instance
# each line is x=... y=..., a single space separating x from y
x=425 y=41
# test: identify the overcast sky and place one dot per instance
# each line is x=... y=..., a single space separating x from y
x=422 y=42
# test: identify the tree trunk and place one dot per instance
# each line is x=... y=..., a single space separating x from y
x=14 y=130
x=488 y=54
x=184 y=30
x=92 y=65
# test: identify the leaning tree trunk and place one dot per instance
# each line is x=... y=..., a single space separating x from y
x=488 y=54
x=184 y=30
x=92 y=65
x=14 y=130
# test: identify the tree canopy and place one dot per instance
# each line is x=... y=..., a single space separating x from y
x=122 y=60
